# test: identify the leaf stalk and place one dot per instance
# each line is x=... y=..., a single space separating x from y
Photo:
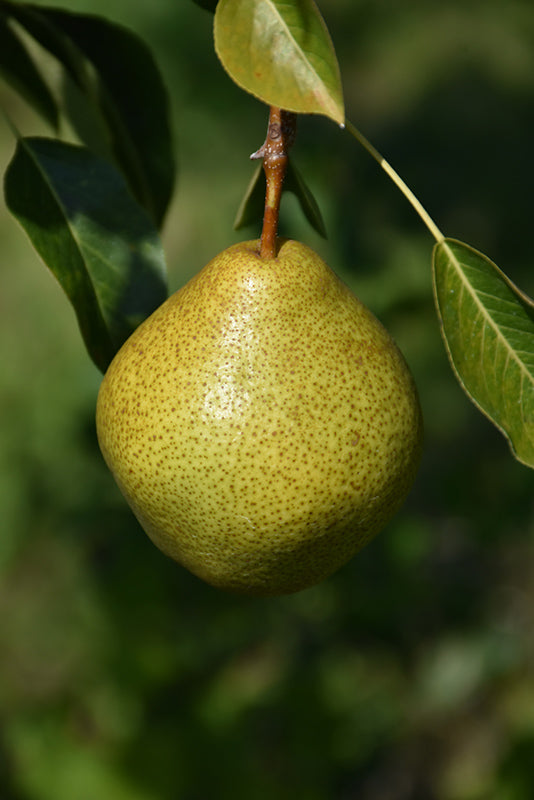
x=397 y=180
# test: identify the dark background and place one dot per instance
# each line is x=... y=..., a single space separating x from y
x=409 y=674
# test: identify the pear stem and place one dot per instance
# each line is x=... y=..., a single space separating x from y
x=274 y=151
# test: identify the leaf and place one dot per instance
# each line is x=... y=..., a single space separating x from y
x=252 y=206
x=133 y=99
x=488 y=327
x=209 y=5
x=19 y=70
x=99 y=244
x=134 y=102
x=294 y=182
x=49 y=37
x=281 y=52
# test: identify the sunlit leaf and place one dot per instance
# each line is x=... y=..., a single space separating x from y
x=488 y=327
x=281 y=52
x=94 y=237
x=132 y=99
x=19 y=70
x=250 y=211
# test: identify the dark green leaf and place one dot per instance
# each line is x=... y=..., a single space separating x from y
x=251 y=209
x=134 y=102
x=209 y=5
x=281 y=52
x=90 y=232
x=19 y=70
x=488 y=327
x=129 y=92
x=250 y=212
x=50 y=38
x=294 y=182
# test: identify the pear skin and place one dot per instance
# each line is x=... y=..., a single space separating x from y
x=262 y=424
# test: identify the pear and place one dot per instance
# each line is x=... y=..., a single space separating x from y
x=262 y=424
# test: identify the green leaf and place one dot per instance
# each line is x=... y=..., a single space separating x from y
x=250 y=212
x=281 y=52
x=488 y=328
x=133 y=99
x=19 y=70
x=252 y=206
x=49 y=37
x=97 y=241
x=209 y=5
x=294 y=182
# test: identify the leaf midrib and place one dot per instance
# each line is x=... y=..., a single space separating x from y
x=71 y=228
x=483 y=311
x=302 y=53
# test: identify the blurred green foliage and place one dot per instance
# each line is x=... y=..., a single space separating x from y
x=409 y=675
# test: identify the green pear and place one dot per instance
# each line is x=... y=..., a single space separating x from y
x=262 y=423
